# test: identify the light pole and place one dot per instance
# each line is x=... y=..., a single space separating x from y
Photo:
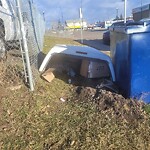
x=81 y=22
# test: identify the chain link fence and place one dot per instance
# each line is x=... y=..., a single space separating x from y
x=35 y=27
x=21 y=39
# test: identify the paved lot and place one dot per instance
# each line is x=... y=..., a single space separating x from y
x=90 y=38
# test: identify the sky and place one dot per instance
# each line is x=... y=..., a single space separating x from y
x=93 y=10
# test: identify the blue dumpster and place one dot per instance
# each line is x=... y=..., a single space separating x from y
x=130 y=53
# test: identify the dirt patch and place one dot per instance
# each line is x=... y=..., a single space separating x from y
x=3 y=92
x=112 y=104
x=10 y=75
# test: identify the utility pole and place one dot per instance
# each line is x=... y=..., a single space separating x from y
x=117 y=14
x=62 y=17
x=141 y=9
x=125 y=11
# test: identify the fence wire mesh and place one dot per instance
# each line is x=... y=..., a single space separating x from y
x=35 y=28
x=11 y=49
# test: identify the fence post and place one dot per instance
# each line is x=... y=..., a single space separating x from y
x=25 y=46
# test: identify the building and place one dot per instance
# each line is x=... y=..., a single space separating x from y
x=76 y=24
x=108 y=23
x=141 y=12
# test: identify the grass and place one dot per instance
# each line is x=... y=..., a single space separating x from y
x=147 y=108
x=52 y=41
x=39 y=120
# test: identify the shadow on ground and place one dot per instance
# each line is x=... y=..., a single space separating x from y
x=79 y=80
x=41 y=57
x=95 y=43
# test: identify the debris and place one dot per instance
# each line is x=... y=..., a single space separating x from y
x=63 y=100
x=69 y=81
x=71 y=72
x=96 y=63
x=94 y=69
x=108 y=85
x=72 y=143
x=48 y=75
x=13 y=88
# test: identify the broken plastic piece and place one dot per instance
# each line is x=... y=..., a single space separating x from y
x=63 y=100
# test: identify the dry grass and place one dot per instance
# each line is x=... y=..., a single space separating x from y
x=39 y=120
x=52 y=41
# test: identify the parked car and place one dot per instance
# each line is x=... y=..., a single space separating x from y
x=90 y=27
x=106 y=37
x=121 y=23
x=106 y=34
